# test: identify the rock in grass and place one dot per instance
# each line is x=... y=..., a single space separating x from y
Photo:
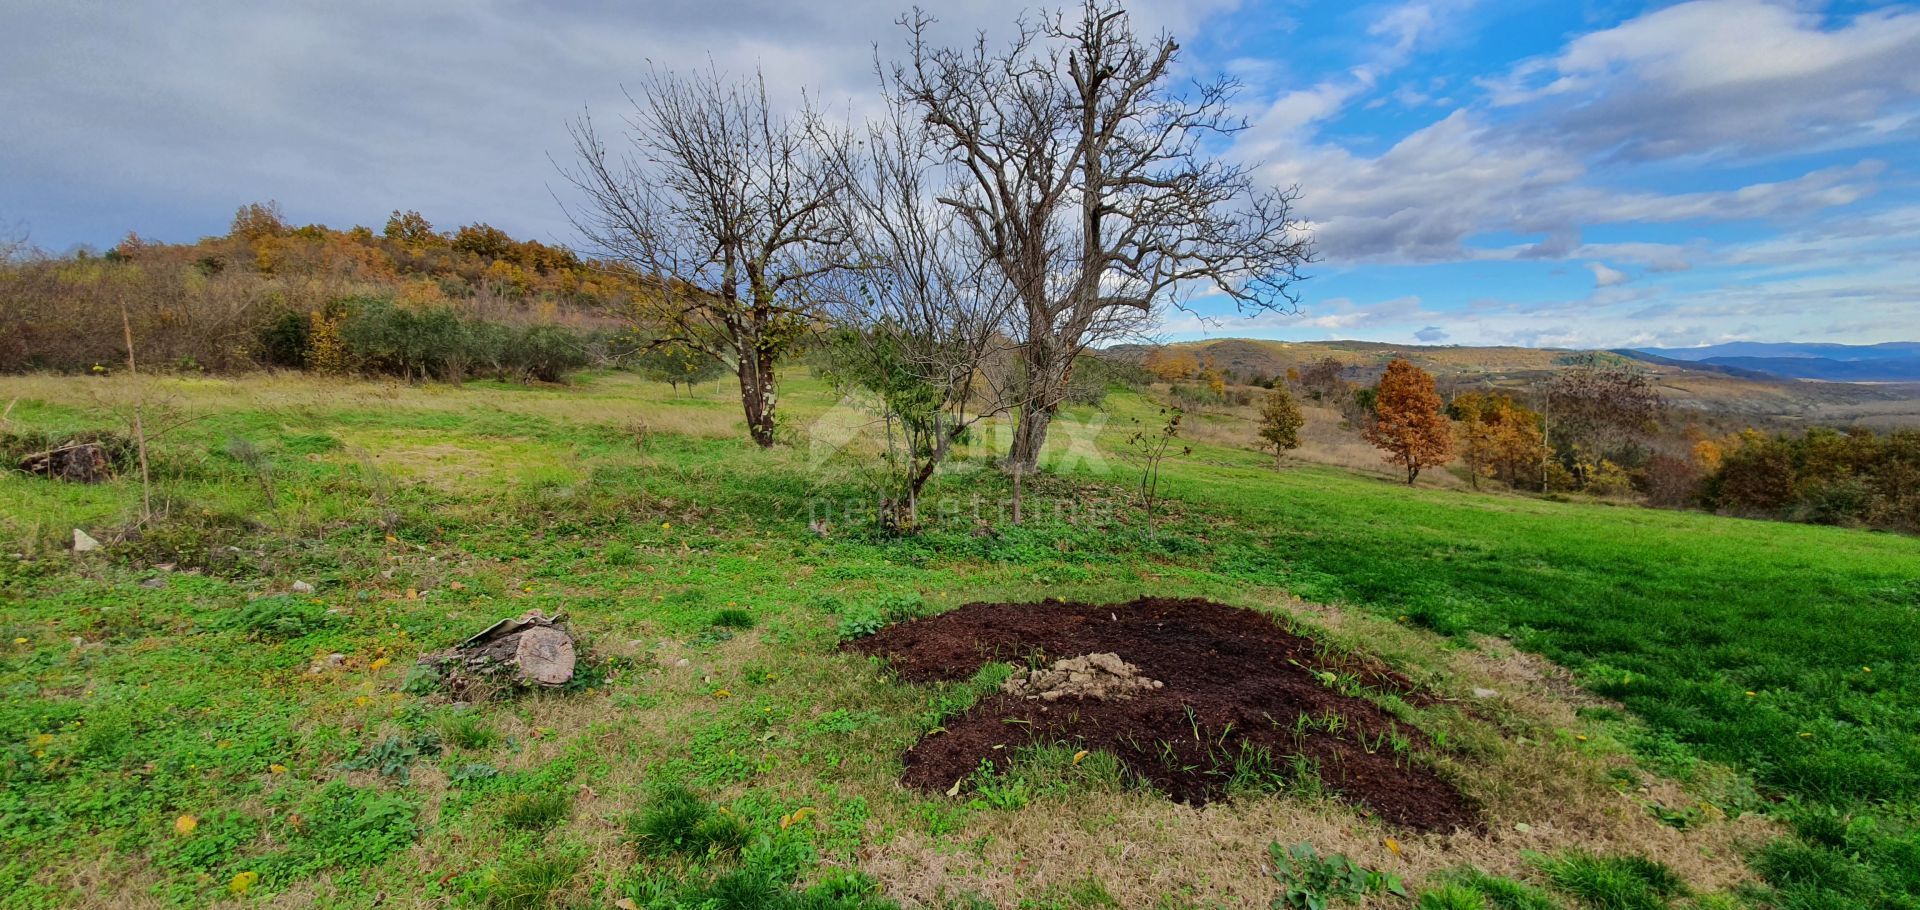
x=83 y=542
x=301 y=587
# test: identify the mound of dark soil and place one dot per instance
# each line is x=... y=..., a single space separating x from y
x=1233 y=684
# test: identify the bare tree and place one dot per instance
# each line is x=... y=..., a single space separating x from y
x=1601 y=409
x=1088 y=183
x=920 y=317
x=730 y=206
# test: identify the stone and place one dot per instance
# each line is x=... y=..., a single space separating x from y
x=155 y=583
x=84 y=543
x=1102 y=676
x=301 y=587
x=1484 y=693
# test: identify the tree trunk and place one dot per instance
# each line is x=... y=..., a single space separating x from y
x=1413 y=473
x=1029 y=437
x=757 y=396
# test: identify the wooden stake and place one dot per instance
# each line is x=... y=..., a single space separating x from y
x=139 y=431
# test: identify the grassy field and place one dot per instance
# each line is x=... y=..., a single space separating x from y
x=1741 y=704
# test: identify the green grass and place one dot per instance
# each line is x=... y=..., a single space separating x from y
x=677 y=820
x=675 y=539
x=1613 y=882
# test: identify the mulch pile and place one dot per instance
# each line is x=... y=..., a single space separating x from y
x=1232 y=674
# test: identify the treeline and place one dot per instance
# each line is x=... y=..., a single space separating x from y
x=407 y=301
x=1822 y=475
x=1598 y=428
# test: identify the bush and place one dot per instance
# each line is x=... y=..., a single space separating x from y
x=285 y=340
x=546 y=353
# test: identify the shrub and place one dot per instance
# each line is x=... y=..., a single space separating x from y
x=285 y=340
x=546 y=353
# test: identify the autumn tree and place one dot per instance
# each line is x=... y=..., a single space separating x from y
x=729 y=206
x=1088 y=180
x=1497 y=436
x=1172 y=364
x=1280 y=422
x=1216 y=381
x=1408 y=425
x=410 y=229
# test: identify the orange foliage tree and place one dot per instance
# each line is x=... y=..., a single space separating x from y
x=1409 y=426
x=1498 y=436
x=1172 y=365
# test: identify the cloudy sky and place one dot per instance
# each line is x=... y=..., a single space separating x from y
x=1538 y=172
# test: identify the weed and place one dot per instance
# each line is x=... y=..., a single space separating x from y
x=1310 y=881
x=468 y=730
x=1452 y=897
x=860 y=622
x=1500 y=893
x=394 y=756
x=339 y=827
x=278 y=617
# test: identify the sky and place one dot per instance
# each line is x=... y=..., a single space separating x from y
x=1565 y=173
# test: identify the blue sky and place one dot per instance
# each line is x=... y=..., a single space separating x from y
x=1572 y=173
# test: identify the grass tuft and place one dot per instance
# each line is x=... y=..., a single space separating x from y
x=531 y=882
x=677 y=820
x=734 y=618
x=537 y=812
x=1613 y=882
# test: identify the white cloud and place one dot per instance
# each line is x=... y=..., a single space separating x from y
x=1727 y=76
x=163 y=118
x=1605 y=277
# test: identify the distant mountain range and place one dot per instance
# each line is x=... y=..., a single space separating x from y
x=1894 y=361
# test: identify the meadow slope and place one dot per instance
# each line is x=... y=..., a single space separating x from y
x=184 y=737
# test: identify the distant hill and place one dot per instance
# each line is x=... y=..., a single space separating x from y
x=1895 y=361
x=1892 y=350
x=1724 y=382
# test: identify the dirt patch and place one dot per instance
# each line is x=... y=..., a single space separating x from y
x=1234 y=688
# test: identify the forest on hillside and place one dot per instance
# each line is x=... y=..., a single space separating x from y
x=407 y=300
